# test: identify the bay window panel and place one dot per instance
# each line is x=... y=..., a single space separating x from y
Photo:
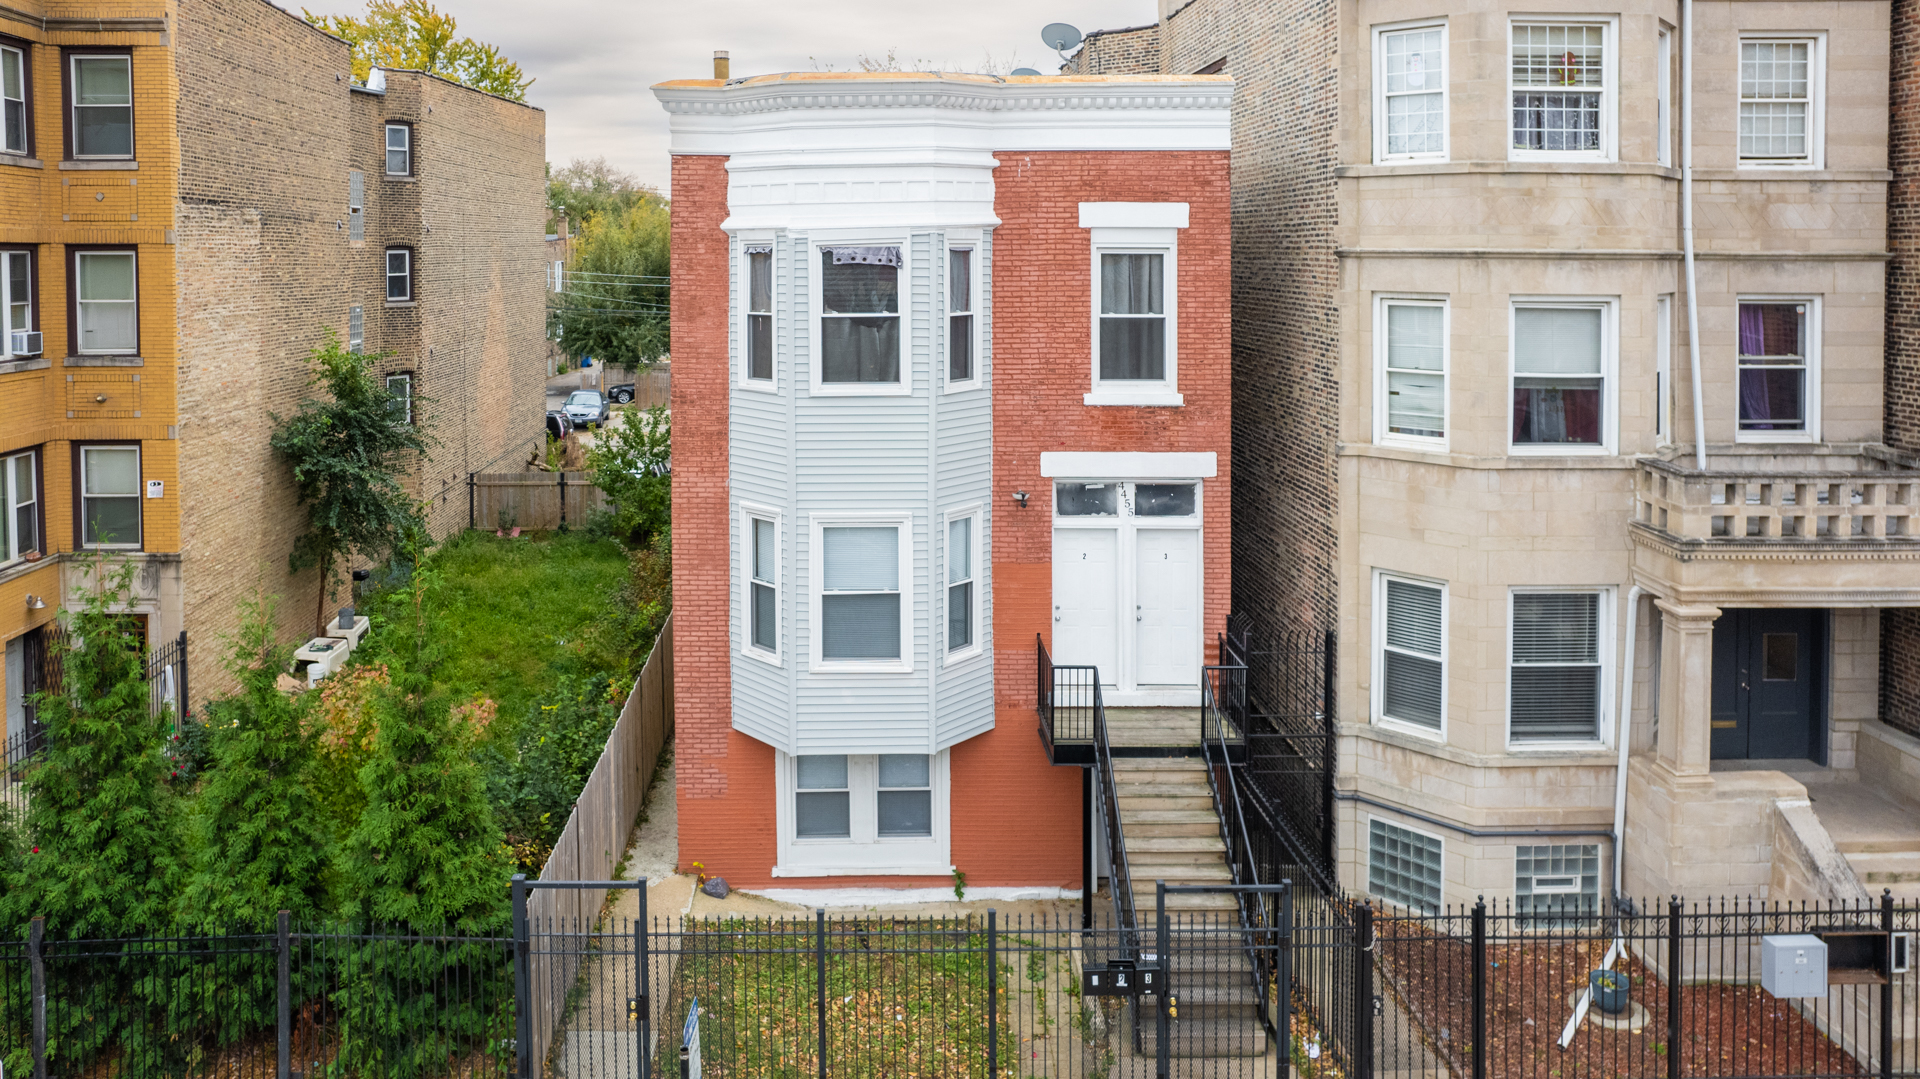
x=1413 y=643
x=860 y=600
x=1555 y=687
x=1773 y=367
x=860 y=314
x=1558 y=79
x=1775 y=100
x=1416 y=361
x=1414 y=91
x=107 y=301
x=13 y=101
x=959 y=315
x=760 y=313
x=765 y=613
x=102 y=106
x=110 y=495
x=860 y=627
x=1558 y=381
x=860 y=349
x=959 y=584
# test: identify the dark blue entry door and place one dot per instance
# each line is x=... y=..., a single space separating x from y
x=1769 y=685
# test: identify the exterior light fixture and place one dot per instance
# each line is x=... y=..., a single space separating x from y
x=35 y=603
x=1021 y=498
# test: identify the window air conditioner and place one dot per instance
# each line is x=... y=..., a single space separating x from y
x=24 y=342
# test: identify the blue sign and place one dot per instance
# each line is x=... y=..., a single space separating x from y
x=690 y=1043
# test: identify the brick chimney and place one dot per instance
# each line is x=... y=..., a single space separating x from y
x=721 y=67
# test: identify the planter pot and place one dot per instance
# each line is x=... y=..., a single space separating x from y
x=1609 y=991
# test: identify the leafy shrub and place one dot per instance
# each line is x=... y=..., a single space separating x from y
x=555 y=749
x=632 y=463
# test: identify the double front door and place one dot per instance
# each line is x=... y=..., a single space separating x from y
x=1769 y=685
x=1126 y=589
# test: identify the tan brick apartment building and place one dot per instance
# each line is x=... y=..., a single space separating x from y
x=179 y=236
x=1462 y=380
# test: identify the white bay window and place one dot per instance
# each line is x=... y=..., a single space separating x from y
x=1560 y=77
x=862 y=609
x=1412 y=345
x=1411 y=106
x=1410 y=655
x=1556 y=677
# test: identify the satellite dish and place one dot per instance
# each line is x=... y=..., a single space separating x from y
x=1024 y=71
x=1060 y=36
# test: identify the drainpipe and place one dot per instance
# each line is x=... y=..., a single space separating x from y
x=1686 y=233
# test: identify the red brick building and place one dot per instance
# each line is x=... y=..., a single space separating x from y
x=952 y=377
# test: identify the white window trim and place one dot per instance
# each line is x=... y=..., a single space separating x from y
x=970 y=241
x=11 y=551
x=1663 y=98
x=6 y=304
x=816 y=582
x=1380 y=154
x=386 y=266
x=750 y=512
x=79 y=305
x=1136 y=241
x=1604 y=652
x=387 y=149
x=24 y=76
x=1378 y=657
x=1609 y=89
x=1816 y=100
x=744 y=322
x=976 y=511
x=1811 y=342
x=407 y=377
x=139 y=459
x=865 y=852
x=1609 y=375
x=74 y=107
x=1367 y=856
x=817 y=386
x=1381 y=419
x=1663 y=368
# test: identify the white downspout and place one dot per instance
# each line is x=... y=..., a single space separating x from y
x=1686 y=233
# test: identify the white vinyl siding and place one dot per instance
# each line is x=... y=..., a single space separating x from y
x=1411 y=108
x=1411 y=652
x=1779 y=113
x=1556 y=886
x=110 y=496
x=1412 y=345
x=1556 y=677
x=1404 y=866
x=1560 y=78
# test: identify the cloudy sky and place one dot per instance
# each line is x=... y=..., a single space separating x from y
x=594 y=59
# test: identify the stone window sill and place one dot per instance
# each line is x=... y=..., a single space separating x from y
x=401 y=303
x=401 y=179
x=27 y=363
x=114 y=165
x=21 y=567
x=21 y=162
x=103 y=361
x=1137 y=399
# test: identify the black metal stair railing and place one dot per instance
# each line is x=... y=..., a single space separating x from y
x=1223 y=730
x=1106 y=800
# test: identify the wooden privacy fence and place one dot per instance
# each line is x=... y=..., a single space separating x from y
x=650 y=386
x=538 y=500
x=595 y=837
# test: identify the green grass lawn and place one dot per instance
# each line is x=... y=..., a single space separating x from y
x=515 y=609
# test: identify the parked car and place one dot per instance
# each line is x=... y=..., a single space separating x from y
x=586 y=407
x=558 y=425
x=621 y=394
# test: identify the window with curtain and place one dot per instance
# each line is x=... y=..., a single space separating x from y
x=905 y=796
x=1133 y=319
x=959 y=314
x=16 y=292
x=102 y=88
x=1773 y=367
x=1776 y=101
x=959 y=584
x=860 y=314
x=1416 y=362
x=763 y=589
x=1554 y=684
x=1412 y=644
x=13 y=100
x=19 y=506
x=1559 y=375
x=822 y=801
x=860 y=593
x=760 y=313
x=110 y=496
x=1413 y=92
x=106 y=301
x=1558 y=84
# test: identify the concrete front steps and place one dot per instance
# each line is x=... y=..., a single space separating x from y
x=1877 y=831
x=1173 y=835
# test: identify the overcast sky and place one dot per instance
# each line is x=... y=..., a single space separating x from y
x=594 y=59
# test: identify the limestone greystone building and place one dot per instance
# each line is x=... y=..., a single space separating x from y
x=1466 y=429
x=251 y=197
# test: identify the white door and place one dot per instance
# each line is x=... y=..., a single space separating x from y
x=1085 y=584
x=1166 y=627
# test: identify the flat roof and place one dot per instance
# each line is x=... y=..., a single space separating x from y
x=932 y=76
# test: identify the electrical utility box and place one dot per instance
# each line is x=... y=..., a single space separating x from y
x=1793 y=966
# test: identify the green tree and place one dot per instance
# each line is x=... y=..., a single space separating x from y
x=346 y=453
x=100 y=818
x=413 y=35
x=587 y=187
x=614 y=304
x=260 y=837
x=630 y=462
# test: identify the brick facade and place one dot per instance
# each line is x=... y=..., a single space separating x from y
x=1900 y=627
x=1124 y=51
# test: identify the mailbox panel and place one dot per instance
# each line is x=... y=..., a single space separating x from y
x=1793 y=965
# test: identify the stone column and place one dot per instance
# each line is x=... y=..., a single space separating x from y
x=1686 y=687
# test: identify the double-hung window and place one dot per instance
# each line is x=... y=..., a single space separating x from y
x=356 y=328
x=107 y=301
x=1778 y=119
x=962 y=596
x=763 y=585
x=399 y=275
x=400 y=394
x=19 y=506
x=1410 y=670
x=822 y=801
x=399 y=150
x=1774 y=360
x=1556 y=680
x=1133 y=316
x=1561 y=356
x=904 y=800
x=102 y=89
x=860 y=338
x=860 y=617
x=110 y=496
x=16 y=305
x=1412 y=336
x=760 y=312
x=959 y=315
x=1560 y=79
x=1412 y=103
x=13 y=100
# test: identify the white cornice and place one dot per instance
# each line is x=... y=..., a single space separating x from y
x=966 y=96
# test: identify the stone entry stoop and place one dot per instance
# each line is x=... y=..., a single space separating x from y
x=1876 y=830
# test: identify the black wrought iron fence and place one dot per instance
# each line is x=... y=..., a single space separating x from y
x=1291 y=741
x=1065 y=698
